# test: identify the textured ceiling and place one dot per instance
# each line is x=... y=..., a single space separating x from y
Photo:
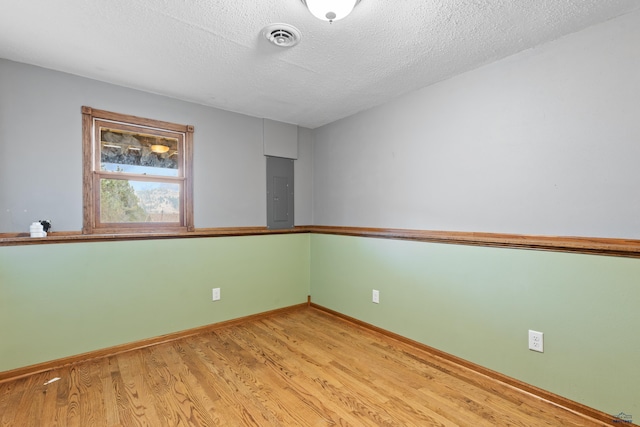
x=212 y=52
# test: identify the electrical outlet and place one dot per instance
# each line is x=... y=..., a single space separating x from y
x=376 y=296
x=536 y=341
x=216 y=294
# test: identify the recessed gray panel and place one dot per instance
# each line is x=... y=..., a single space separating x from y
x=280 y=199
x=279 y=192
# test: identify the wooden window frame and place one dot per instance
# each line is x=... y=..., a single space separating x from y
x=92 y=175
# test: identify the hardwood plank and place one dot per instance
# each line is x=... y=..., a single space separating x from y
x=132 y=370
x=351 y=363
x=161 y=382
x=107 y=368
x=301 y=365
x=217 y=403
x=303 y=368
x=10 y=395
x=244 y=375
x=279 y=374
x=30 y=404
x=365 y=400
x=186 y=386
x=50 y=414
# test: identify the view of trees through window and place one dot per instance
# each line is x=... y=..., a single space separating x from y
x=119 y=202
x=130 y=201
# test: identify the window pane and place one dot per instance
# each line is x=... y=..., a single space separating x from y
x=139 y=153
x=129 y=201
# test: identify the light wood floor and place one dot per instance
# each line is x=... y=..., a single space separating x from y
x=302 y=368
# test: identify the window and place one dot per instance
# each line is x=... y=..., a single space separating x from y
x=137 y=174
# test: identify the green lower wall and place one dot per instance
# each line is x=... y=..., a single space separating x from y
x=65 y=299
x=478 y=303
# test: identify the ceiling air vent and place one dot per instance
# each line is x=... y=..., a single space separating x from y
x=282 y=35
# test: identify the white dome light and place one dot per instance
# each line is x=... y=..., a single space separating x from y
x=330 y=10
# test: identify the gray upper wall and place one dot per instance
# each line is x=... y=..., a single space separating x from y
x=543 y=142
x=41 y=151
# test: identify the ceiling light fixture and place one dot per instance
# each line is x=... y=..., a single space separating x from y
x=330 y=10
x=158 y=148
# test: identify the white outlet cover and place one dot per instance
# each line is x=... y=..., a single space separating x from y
x=376 y=296
x=215 y=294
x=536 y=341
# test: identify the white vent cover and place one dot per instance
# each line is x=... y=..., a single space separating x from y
x=282 y=35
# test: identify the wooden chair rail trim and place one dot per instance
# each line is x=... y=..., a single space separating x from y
x=20 y=239
x=553 y=398
x=584 y=245
x=17 y=373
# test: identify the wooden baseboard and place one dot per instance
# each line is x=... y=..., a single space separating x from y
x=553 y=398
x=15 y=374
